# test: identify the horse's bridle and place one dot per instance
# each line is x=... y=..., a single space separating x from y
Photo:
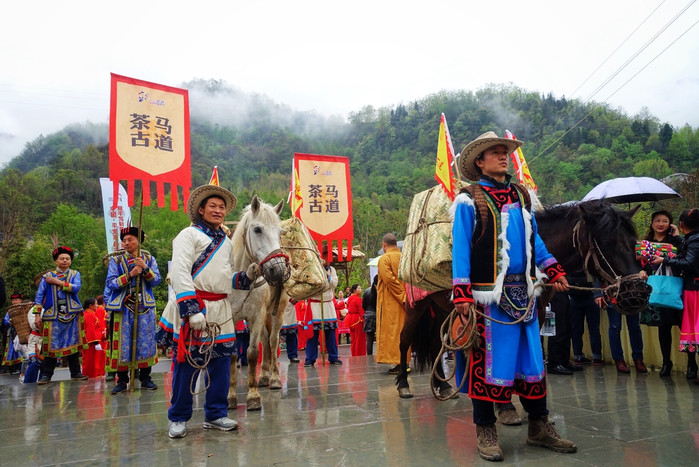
x=271 y=260
x=594 y=256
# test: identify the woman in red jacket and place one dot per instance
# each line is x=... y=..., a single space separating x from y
x=94 y=355
x=355 y=321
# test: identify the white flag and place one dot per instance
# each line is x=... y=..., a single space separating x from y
x=117 y=218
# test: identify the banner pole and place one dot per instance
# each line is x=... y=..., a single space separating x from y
x=134 y=328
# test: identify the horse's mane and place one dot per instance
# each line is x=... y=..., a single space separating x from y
x=609 y=218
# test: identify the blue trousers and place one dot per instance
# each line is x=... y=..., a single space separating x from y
x=216 y=405
x=330 y=345
x=582 y=308
x=292 y=345
x=242 y=342
x=615 y=335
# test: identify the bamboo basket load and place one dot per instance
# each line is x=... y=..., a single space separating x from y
x=20 y=321
x=426 y=256
x=308 y=277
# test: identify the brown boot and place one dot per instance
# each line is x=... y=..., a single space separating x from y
x=622 y=367
x=640 y=366
x=488 y=443
x=509 y=417
x=543 y=434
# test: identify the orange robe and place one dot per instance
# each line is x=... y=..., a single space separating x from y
x=390 y=309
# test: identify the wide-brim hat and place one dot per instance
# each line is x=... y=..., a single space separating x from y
x=467 y=159
x=206 y=191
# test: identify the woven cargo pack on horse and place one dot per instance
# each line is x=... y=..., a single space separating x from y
x=18 y=314
x=308 y=278
x=426 y=256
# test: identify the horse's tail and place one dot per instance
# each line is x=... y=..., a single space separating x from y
x=423 y=339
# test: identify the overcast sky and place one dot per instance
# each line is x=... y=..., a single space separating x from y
x=337 y=57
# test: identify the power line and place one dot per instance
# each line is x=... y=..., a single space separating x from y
x=638 y=52
x=618 y=47
x=614 y=75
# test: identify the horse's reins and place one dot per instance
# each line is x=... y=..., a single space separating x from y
x=213 y=330
x=470 y=331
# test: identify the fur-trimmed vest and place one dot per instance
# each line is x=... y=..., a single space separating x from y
x=490 y=252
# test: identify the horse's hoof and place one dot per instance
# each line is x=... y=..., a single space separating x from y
x=275 y=385
x=449 y=393
x=404 y=393
x=254 y=404
x=233 y=402
x=263 y=382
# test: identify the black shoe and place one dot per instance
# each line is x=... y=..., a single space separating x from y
x=691 y=372
x=582 y=361
x=559 y=369
x=666 y=370
x=294 y=360
x=336 y=362
x=244 y=363
x=309 y=364
x=572 y=367
x=79 y=377
x=395 y=370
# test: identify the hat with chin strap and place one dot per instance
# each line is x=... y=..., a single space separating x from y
x=470 y=152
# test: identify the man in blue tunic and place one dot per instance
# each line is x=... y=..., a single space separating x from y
x=59 y=314
x=497 y=258
x=124 y=271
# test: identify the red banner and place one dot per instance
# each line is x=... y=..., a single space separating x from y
x=149 y=139
x=322 y=199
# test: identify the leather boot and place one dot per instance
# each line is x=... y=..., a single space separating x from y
x=621 y=366
x=543 y=434
x=640 y=366
x=666 y=370
x=507 y=414
x=488 y=447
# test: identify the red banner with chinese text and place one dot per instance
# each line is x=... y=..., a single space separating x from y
x=149 y=138
x=322 y=199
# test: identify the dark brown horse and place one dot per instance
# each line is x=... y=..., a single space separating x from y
x=591 y=237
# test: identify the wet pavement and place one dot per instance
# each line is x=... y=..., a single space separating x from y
x=347 y=415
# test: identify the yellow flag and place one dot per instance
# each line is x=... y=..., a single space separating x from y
x=214 y=177
x=521 y=167
x=445 y=159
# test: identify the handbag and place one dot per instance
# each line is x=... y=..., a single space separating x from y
x=667 y=290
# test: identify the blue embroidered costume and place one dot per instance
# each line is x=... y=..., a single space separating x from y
x=496 y=267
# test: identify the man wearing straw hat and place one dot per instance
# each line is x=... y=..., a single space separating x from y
x=201 y=277
x=122 y=304
x=497 y=258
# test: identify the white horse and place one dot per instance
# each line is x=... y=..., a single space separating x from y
x=257 y=240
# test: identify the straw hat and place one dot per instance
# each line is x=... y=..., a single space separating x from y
x=467 y=159
x=206 y=191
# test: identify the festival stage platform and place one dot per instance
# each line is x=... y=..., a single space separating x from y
x=347 y=415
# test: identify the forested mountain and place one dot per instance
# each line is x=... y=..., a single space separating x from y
x=52 y=186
